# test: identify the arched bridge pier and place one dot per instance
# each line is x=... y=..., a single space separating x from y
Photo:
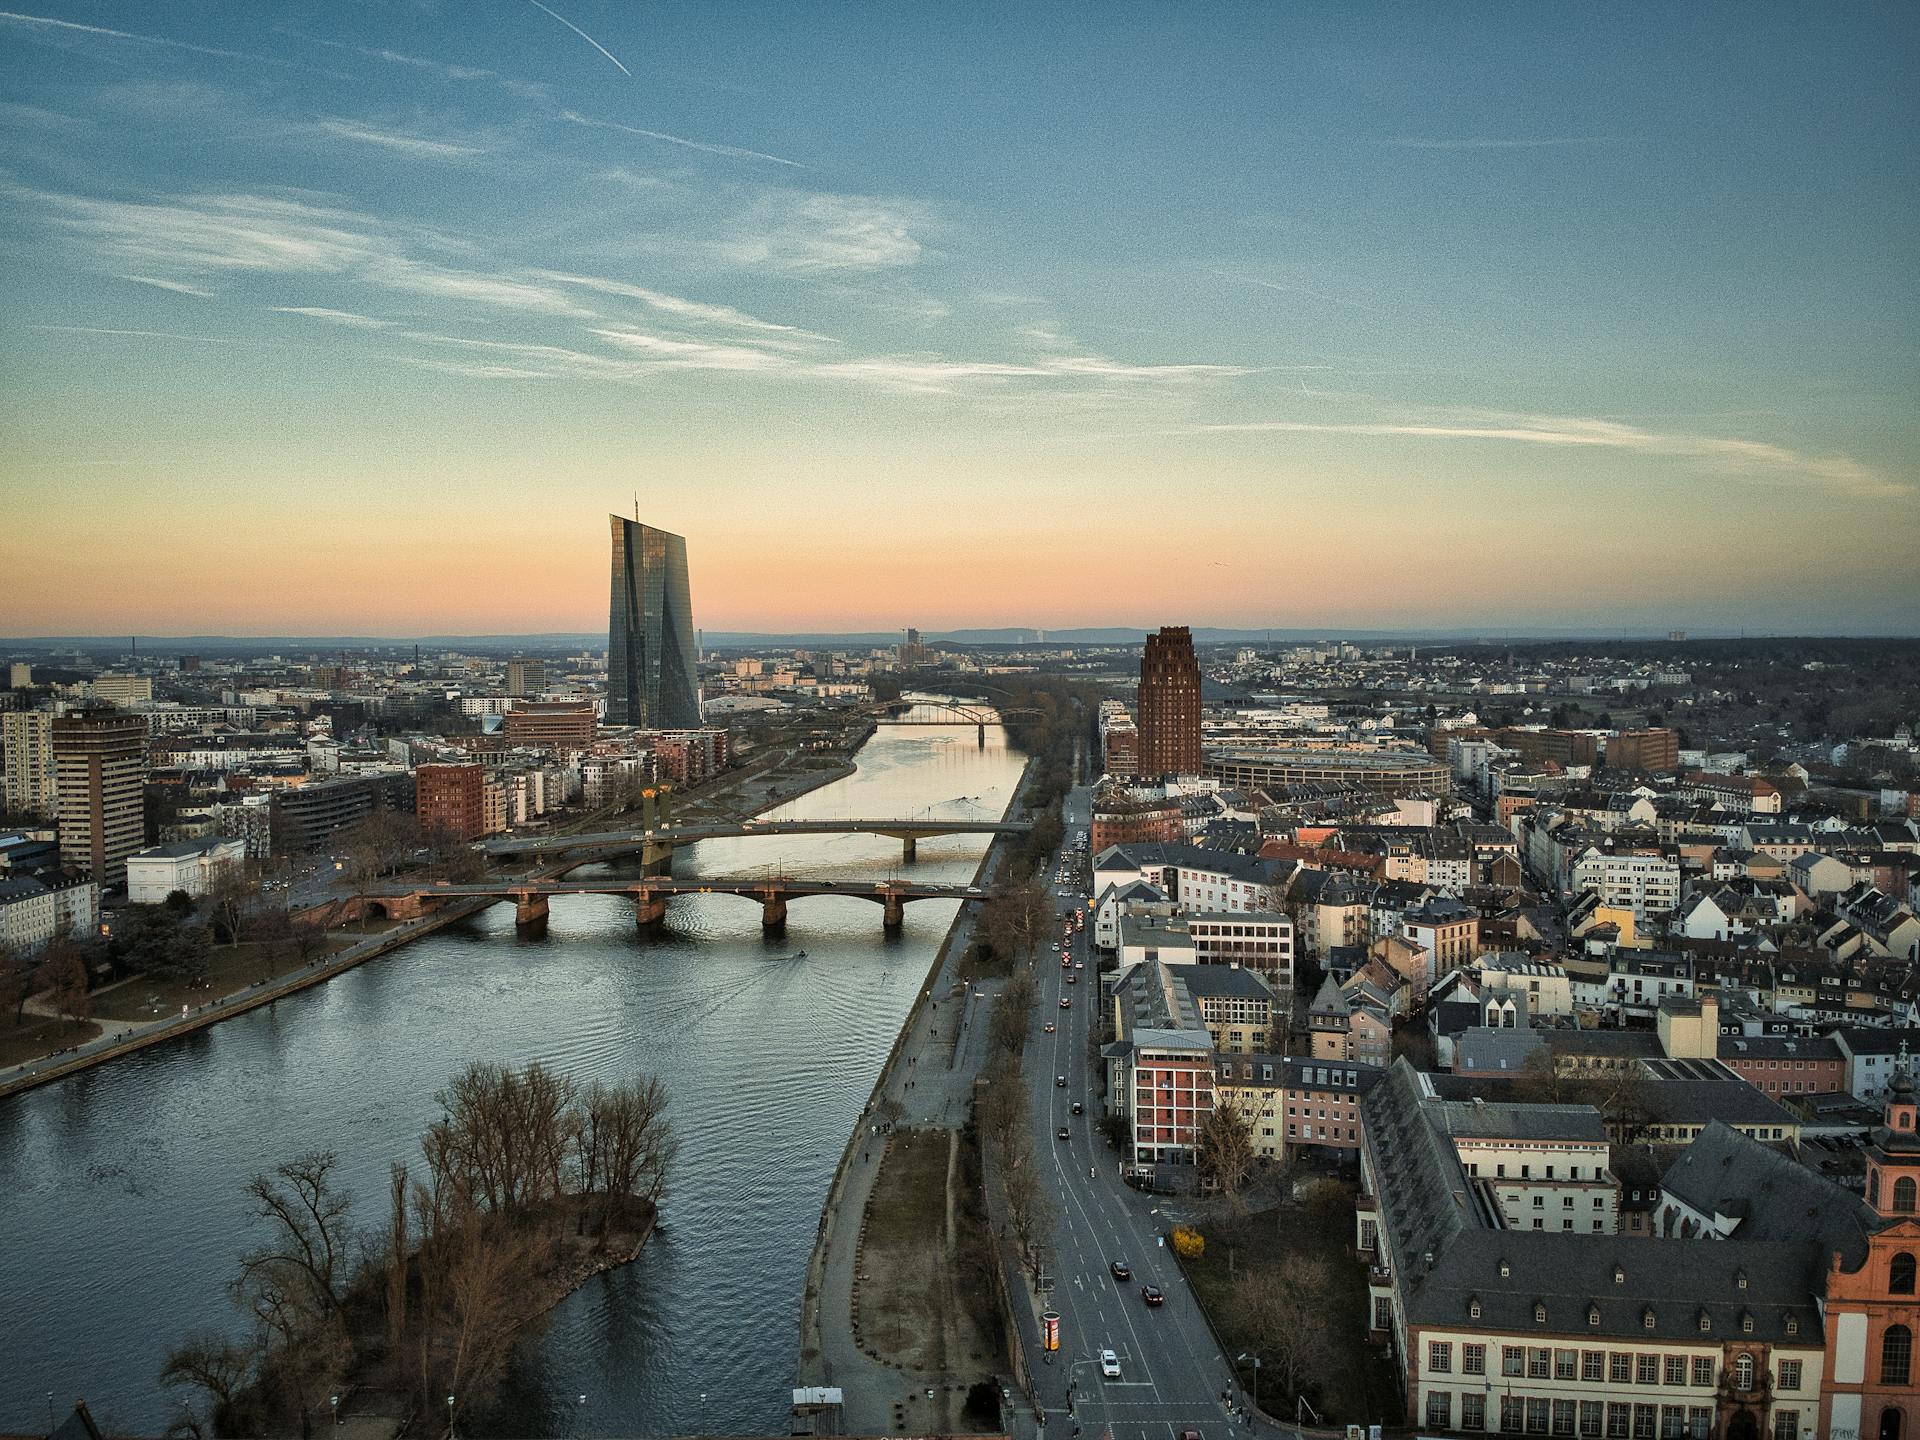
x=532 y=900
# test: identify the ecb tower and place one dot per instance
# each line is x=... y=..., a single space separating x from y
x=652 y=681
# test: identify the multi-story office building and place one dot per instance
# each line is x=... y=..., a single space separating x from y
x=121 y=689
x=450 y=801
x=562 y=726
x=26 y=741
x=1388 y=772
x=305 y=817
x=100 y=762
x=1650 y=750
x=526 y=677
x=1169 y=705
x=652 y=674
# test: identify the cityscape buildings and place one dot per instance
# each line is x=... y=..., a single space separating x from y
x=652 y=667
x=27 y=782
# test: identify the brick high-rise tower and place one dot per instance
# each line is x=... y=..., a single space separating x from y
x=1169 y=705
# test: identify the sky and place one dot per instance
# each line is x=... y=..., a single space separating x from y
x=361 y=317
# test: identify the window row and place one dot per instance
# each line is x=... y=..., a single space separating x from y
x=1588 y=1419
x=1539 y=1362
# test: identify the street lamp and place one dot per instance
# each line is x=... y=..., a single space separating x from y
x=449 y=1417
x=334 y=1401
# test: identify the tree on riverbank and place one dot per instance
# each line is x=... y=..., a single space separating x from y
x=528 y=1185
x=1016 y=917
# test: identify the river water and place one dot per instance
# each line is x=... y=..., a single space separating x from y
x=121 y=1205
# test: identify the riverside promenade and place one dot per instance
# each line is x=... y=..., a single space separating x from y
x=930 y=1073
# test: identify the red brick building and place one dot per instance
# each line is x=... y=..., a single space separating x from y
x=1168 y=716
x=450 y=801
x=1783 y=1065
x=1124 y=817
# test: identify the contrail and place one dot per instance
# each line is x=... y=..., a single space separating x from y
x=584 y=36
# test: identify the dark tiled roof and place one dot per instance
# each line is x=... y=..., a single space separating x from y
x=1724 y=1172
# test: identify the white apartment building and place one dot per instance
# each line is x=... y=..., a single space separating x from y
x=189 y=865
x=34 y=911
x=1642 y=880
x=26 y=745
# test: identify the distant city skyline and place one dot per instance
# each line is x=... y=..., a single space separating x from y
x=1502 y=317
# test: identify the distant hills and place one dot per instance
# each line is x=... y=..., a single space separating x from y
x=801 y=640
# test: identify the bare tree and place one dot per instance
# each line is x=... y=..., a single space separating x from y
x=1226 y=1148
x=505 y=1136
x=396 y=1260
x=304 y=1260
x=1016 y=917
x=1285 y=1313
x=213 y=1363
x=230 y=895
x=632 y=1145
x=889 y=1111
x=62 y=977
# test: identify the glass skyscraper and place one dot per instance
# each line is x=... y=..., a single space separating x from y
x=652 y=679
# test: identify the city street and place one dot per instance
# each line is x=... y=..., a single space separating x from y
x=1173 y=1378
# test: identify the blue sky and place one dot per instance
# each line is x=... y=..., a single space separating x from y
x=330 y=316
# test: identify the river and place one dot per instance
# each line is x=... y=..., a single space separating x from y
x=121 y=1205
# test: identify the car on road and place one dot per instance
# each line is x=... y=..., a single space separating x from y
x=1109 y=1365
x=1151 y=1294
x=1065 y=1003
x=1119 y=1269
x=1073 y=979
x=1060 y=1082
x=1063 y=1133
x=1078 y=1108
x=1050 y=1027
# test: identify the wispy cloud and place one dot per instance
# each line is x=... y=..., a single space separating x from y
x=395 y=140
x=178 y=287
x=51 y=26
x=803 y=230
x=698 y=312
x=1538 y=142
x=732 y=152
x=1752 y=457
x=688 y=354
x=584 y=36
x=223 y=234
x=332 y=317
x=140 y=334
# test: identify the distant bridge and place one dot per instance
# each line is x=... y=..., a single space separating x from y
x=657 y=845
x=650 y=894
x=979 y=716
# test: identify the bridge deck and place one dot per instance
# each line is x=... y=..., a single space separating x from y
x=688 y=834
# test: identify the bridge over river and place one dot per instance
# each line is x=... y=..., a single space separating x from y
x=657 y=844
x=650 y=894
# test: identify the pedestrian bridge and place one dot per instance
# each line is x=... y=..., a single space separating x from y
x=657 y=845
x=650 y=894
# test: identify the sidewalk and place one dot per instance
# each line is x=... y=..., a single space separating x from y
x=931 y=1074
